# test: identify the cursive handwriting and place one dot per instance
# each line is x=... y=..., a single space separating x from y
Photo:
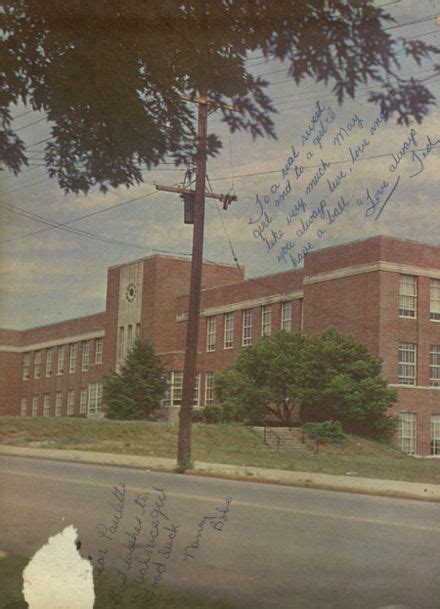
x=216 y=522
x=403 y=150
x=424 y=153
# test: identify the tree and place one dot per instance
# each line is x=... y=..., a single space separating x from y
x=329 y=376
x=109 y=74
x=136 y=391
x=340 y=380
x=262 y=379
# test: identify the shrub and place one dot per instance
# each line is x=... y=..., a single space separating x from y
x=213 y=414
x=326 y=432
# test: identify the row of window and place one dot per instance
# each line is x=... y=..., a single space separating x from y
x=60 y=354
x=246 y=326
x=90 y=402
x=408 y=364
x=126 y=338
x=407 y=438
x=408 y=297
x=173 y=395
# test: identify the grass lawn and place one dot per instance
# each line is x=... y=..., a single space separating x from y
x=11 y=596
x=232 y=444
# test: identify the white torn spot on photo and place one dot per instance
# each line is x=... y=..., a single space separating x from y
x=58 y=577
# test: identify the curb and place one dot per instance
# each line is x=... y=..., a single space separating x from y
x=357 y=485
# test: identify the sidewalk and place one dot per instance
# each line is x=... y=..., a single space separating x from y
x=347 y=483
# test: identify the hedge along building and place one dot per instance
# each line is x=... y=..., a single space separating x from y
x=383 y=291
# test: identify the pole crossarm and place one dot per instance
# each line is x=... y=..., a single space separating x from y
x=209 y=195
x=199 y=100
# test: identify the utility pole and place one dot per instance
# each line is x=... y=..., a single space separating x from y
x=195 y=206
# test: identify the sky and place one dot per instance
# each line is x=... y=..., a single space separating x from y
x=374 y=178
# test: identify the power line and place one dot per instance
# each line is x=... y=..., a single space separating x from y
x=272 y=171
x=37 y=218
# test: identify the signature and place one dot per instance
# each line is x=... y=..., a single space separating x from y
x=376 y=199
x=424 y=153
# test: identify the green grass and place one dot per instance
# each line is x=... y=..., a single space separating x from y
x=231 y=444
x=11 y=596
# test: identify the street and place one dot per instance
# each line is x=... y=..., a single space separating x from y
x=256 y=545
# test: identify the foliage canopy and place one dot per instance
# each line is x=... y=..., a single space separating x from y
x=328 y=376
x=109 y=74
x=136 y=391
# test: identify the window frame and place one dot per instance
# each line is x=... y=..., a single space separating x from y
x=99 y=350
x=83 y=403
x=94 y=398
x=211 y=334
x=60 y=360
x=23 y=406
x=58 y=403
x=73 y=355
x=407 y=296
x=407 y=379
x=70 y=402
x=26 y=367
x=266 y=312
x=286 y=320
x=49 y=362
x=46 y=405
x=209 y=388
x=434 y=366
x=85 y=356
x=434 y=300
x=435 y=434
x=246 y=327
x=228 y=330
x=37 y=364
x=407 y=423
x=34 y=411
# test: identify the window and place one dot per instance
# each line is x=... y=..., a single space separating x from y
x=26 y=365
x=83 y=400
x=37 y=364
x=49 y=362
x=407 y=364
x=70 y=402
x=72 y=358
x=209 y=388
x=46 y=405
x=58 y=403
x=95 y=398
x=35 y=405
x=129 y=337
x=434 y=300
x=434 y=366
x=23 y=407
x=60 y=360
x=196 y=402
x=211 y=333
x=229 y=331
x=435 y=434
x=85 y=356
x=166 y=400
x=176 y=388
x=99 y=346
x=286 y=316
x=266 y=320
x=407 y=432
x=407 y=296
x=246 y=338
x=138 y=331
x=121 y=343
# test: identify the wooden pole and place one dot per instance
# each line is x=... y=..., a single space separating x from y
x=192 y=333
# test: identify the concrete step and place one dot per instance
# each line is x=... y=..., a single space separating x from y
x=283 y=438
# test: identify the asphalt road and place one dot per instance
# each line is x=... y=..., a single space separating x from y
x=255 y=545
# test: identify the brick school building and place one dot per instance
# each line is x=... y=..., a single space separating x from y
x=383 y=291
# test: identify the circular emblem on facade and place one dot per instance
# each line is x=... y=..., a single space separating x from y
x=130 y=293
